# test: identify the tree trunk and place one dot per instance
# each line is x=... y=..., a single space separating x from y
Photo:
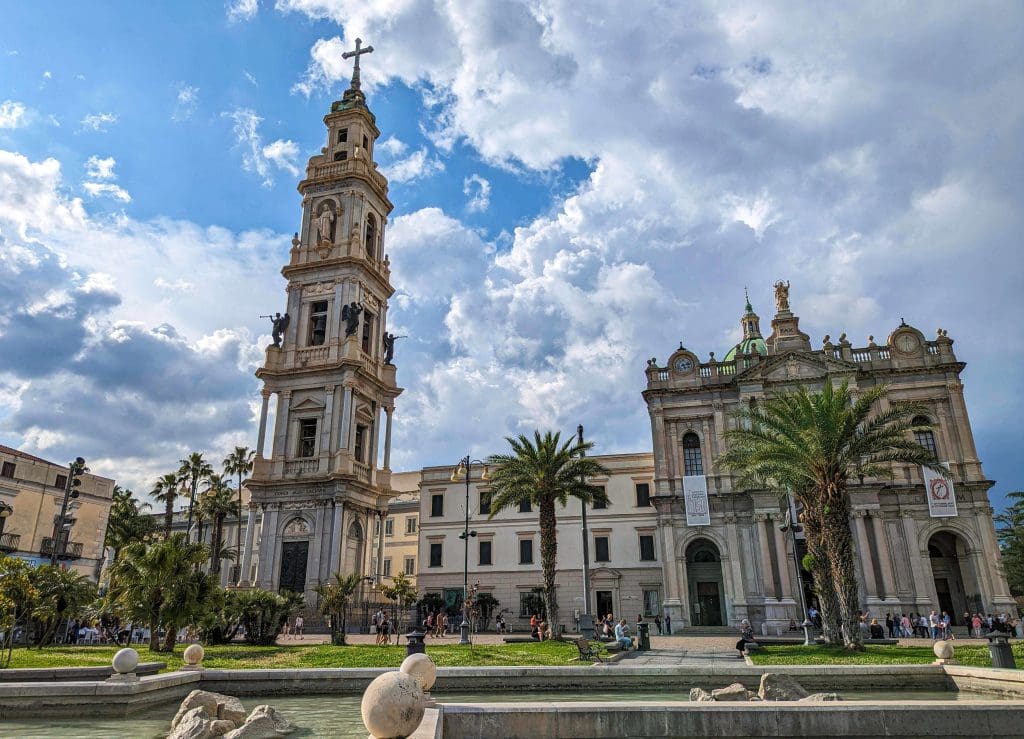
x=169 y=515
x=191 y=503
x=828 y=605
x=154 y=635
x=218 y=532
x=836 y=532
x=170 y=638
x=548 y=560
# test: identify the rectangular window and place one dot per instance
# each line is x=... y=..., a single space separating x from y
x=61 y=482
x=318 y=323
x=376 y=527
x=525 y=507
x=437 y=504
x=366 y=143
x=7 y=470
x=646 y=548
x=307 y=437
x=410 y=565
x=652 y=602
x=342 y=135
x=360 y=445
x=410 y=525
x=526 y=601
x=340 y=156
x=387 y=567
x=435 y=554
x=389 y=527
x=643 y=494
x=600 y=505
x=601 y=549
x=485 y=553
x=485 y=503
x=526 y=551
x=367 y=331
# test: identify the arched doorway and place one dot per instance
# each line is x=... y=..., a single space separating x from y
x=294 y=555
x=354 y=543
x=704 y=583
x=945 y=550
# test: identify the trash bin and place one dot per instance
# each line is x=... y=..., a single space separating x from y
x=999 y=650
x=643 y=642
x=415 y=645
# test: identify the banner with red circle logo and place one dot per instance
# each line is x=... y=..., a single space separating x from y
x=940 y=493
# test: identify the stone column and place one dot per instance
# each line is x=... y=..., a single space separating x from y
x=379 y=574
x=346 y=417
x=990 y=558
x=334 y=327
x=864 y=553
x=884 y=555
x=785 y=562
x=767 y=579
x=368 y=540
x=669 y=565
x=325 y=429
x=337 y=521
x=918 y=581
x=261 y=439
x=284 y=399
x=268 y=546
x=388 y=410
x=250 y=530
x=313 y=570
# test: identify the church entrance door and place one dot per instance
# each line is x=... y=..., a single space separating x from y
x=945 y=550
x=709 y=601
x=294 y=556
x=704 y=583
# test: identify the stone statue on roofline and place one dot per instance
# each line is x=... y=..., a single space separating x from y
x=782 y=296
x=350 y=314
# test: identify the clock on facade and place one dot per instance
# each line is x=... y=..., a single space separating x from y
x=684 y=364
x=907 y=343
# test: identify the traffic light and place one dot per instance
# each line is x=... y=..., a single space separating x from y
x=78 y=469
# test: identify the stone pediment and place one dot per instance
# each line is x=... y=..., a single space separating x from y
x=605 y=573
x=798 y=367
x=309 y=404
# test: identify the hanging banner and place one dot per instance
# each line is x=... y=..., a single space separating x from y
x=695 y=495
x=941 y=497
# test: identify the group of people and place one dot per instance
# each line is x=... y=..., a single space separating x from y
x=935 y=625
x=296 y=628
x=438 y=624
x=383 y=626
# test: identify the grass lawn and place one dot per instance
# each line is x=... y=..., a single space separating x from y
x=234 y=656
x=968 y=655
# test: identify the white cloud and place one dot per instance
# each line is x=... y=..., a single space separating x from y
x=242 y=10
x=478 y=190
x=107 y=189
x=416 y=166
x=258 y=157
x=186 y=103
x=251 y=78
x=98 y=122
x=100 y=169
x=101 y=175
x=391 y=147
x=181 y=286
x=12 y=114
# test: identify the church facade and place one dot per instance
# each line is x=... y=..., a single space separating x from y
x=319 y=491
x=725 y=555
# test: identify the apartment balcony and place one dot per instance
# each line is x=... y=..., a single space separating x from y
x=9 y=542
x=69 y=550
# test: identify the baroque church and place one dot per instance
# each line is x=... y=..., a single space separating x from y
x=320 y=491
x=921 y=544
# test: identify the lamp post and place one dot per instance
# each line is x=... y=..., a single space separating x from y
x=793 y=527
x=75 y=470
x=464 y=470
x=586 y=619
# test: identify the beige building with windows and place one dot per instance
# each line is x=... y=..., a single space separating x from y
x=31 y=495
x=401 y=528
x=504 y=555
x=738 y=564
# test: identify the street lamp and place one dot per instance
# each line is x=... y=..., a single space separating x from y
x=793 y=528
x=75 y=471
x=460 y=472
x=586 y=621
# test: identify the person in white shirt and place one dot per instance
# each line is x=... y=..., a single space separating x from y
x=299 y=623
x=621 y=636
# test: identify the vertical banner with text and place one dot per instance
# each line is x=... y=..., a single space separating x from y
x=695 y=495
x=941 y=497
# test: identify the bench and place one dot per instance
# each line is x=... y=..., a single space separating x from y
x=586 y=650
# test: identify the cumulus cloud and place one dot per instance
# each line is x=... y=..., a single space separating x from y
x=100 y=169
x=12 y=114
x=478 y=190
x=98 y=122
x=242 y=10
x=416 y=166
x=186 y=102
x=259 y=157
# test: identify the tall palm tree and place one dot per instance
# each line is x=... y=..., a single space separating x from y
x=193 y=469
x=215 y=504
x=811 y=443
x=166 y=491
x=545 y=471
x=127 y=521
x=239 y=462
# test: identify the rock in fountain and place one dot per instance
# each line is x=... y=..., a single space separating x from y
x=774 y=687
x=205 y=715
x=393 y=706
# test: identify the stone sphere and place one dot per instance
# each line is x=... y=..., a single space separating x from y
x=943 y=649
x=126 y=660
x=421 y=668
x=393 y=705
x=194 y=654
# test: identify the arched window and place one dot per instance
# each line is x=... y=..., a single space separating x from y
x=371 y=235
x=925 y=438
x=693 y=463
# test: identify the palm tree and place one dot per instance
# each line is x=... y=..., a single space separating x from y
x=157 y=585
x=193 y=469
x=215 y=504
x=165 y=491
x=811 y=443
x=127 y=522
x=543 y=472
x=61 y=594
x=239 y=462
x=335 y=597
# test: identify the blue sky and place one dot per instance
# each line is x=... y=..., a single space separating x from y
x=576 y=190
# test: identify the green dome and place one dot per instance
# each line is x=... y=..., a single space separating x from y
x=752 y=344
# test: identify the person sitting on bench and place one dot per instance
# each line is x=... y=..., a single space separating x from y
x=746 y=636
x=621 y=637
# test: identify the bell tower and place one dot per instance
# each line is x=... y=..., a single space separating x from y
x=327 y=474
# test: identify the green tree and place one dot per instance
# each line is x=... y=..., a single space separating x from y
x=484 y=604
x=240 y=463
x=158 y=585
x=216 y=503
x=403 y=594
x=17 y=600
x=193 y=469
x=543 y=472
x=811 y=443
x=166 y=491
x=60 y=594
x=127 y=521
x=1011 y=542
x=335 y=597
x=263 y=613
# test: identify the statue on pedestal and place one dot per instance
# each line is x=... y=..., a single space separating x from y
x=278 y=324
x=389 y=347
x=350 y=314
x=324 y=222
x=782 y=296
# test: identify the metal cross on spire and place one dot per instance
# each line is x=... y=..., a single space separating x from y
x=355 y=70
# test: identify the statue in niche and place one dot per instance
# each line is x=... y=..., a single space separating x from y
x=350 y=314
x=389 y=347
x=782 y=296
x=278 y=325
x=324 y=223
